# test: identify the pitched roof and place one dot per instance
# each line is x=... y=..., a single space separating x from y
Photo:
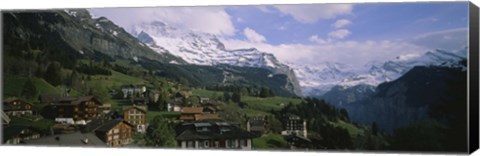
x=72 y=139
x=192 y=110
x=14 y=130
x=110 y=124
x=256 y=123
x=72 y=100
x=142 y=109
x=210 y=130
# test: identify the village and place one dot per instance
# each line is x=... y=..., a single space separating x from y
x=87 y=122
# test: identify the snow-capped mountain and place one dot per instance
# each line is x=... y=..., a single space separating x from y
x=316 y=80
x=206 y=49
x=200 y=48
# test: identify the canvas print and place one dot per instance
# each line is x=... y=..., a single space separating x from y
x=307 y=77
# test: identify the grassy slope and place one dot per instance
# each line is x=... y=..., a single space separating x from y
x=12 y=86
x=269 y=141
x=352 y=129
x=256 y=105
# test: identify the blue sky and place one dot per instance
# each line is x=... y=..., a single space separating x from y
x=316 y=33
x=368 y=22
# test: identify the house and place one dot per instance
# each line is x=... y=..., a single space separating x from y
x=179 y=96
x=76 y=110
x=210 y=109
x=5 y=119
x=204 y=100
x=16 y=134
x=69 y=140
x=17 y=107
x=153 y=95
x=190 y=113
x=207 y=135
x=257 y=125
x=136 y=116
x=294 y=125
x=115 y=132
x=133 y=90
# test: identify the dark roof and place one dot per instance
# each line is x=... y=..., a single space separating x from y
x=210 y=130
x=257 y=122
x=110 y=124
x=72 y=139
x=72 y=100
x=296 y=138
x=14 y=130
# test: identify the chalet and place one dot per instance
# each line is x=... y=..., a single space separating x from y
x=16 y=107
x=136 y=116
x=179 y=96
x=210 y=107
x=78 y=110
x=115 y=132
x=257 y=125
x=133 y=90
x=153 y=95
x=207 y=135
x=204 y=100
x=69 y=140
x=190 y=113
x=174 y=106
x=294 y=125
x=16 y=134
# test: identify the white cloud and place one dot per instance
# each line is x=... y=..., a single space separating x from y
x=316 y=39
x=452 y=39
x=339 y=34
x=341 y=23
x=314 y=12
x=353 y=53
x=240 y=20
x=253 y=36
x=265 y=8
x=212 y=20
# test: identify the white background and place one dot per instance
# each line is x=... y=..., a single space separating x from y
x=50 y=4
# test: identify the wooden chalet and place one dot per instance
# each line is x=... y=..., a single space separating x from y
x=17 y=107
x=257 y=125
x=136 y=116
x=197 y=114
x=76 y=109
x=116 y=132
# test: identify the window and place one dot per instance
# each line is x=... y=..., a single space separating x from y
x=109 y=138
x=206 y=144
x=115 y=130
x=116 y=136
x=217 y=144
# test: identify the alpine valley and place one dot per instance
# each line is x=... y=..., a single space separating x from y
x=171 y=71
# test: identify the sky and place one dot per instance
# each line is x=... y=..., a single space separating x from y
x=351 y=33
